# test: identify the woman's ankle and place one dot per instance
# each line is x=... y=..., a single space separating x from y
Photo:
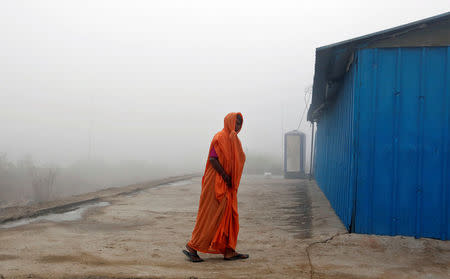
x=190 y=249
x=229 y=253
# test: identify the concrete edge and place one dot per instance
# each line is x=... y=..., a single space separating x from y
x=14 y=213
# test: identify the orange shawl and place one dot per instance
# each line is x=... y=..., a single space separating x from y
x=217 y=224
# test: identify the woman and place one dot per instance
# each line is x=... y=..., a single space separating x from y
x=217 y=224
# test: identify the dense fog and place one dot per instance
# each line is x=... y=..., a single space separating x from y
x=100 y=94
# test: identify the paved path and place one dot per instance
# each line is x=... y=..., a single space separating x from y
x=287 y=227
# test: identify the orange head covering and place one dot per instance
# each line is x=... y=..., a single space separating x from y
x=229 y=122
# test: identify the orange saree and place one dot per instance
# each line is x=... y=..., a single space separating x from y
x=217 y=224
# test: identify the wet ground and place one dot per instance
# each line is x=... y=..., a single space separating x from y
x=287 y=227
x=72 y=214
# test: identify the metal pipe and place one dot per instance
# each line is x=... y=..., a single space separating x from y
x=312 y=150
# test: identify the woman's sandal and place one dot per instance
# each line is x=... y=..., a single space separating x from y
x=237 y=257
x=193 y=257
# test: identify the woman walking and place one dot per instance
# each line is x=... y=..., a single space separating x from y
x=217 y=224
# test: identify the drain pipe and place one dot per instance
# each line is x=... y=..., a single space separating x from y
x=312 y=151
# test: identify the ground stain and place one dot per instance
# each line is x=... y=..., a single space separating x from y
x=84 y=258
x=4 y=257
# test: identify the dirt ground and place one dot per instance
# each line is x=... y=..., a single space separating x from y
x=287 y=227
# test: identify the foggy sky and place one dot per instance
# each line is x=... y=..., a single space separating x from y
x=152 y=80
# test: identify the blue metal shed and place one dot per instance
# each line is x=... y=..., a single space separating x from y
x=381 y=103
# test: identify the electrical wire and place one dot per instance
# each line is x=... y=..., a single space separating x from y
x=307 y=98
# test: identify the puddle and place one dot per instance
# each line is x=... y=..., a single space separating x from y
x=73 y=215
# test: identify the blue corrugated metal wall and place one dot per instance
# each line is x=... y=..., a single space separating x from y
x=334 y=148
x=385 y=143
x=403 y=134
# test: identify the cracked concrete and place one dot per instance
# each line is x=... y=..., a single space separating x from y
x=309 y=247
x=287 y=227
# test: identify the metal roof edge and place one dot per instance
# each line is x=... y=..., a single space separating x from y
x=389 y=30
x=337 y=53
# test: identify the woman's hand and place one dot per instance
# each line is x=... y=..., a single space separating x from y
x=227 y=179
x=218 y=167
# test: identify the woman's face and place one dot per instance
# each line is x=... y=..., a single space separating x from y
x=238 y=123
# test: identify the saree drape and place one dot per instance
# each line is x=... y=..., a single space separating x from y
x=217 y=224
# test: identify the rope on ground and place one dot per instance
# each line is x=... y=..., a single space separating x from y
x=311 y=268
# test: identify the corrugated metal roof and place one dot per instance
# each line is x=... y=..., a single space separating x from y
x=332 y=61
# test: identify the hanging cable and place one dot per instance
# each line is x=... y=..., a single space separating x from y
x=307 y=98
